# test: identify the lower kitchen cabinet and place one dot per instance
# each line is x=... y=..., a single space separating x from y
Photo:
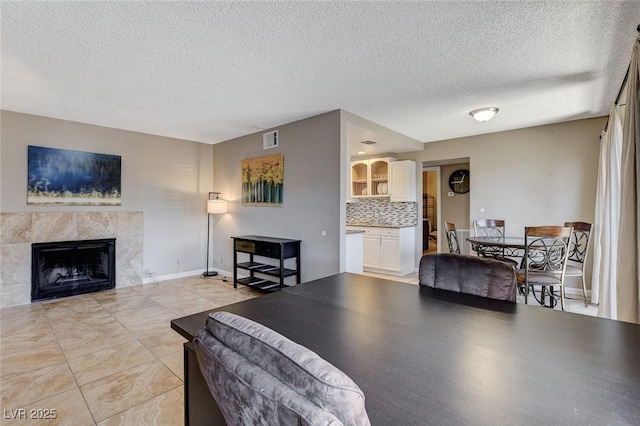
x=389 y=250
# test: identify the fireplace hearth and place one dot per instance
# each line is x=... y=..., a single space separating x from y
x=69 y=268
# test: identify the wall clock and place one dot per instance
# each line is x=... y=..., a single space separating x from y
x=459 y=181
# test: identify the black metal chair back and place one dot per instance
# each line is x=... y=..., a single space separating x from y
x=545 y=259
x=452 y=237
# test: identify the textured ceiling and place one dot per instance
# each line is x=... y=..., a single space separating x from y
x=213 y=71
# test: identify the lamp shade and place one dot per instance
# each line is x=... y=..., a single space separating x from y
x=216 y=206
x=484 y=114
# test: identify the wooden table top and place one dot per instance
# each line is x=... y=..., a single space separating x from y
x=425 y=356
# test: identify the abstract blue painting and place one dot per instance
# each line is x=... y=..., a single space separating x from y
x=65 y=177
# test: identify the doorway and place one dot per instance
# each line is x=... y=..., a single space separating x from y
x=430 y=209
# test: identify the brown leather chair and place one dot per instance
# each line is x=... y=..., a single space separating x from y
x=468 y=274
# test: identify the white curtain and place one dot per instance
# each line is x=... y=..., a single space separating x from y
x=607 y=216
x=628 y=267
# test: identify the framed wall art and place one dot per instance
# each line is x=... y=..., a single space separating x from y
x=72 y=178
x=262 y=179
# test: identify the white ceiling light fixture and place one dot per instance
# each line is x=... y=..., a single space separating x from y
x=484 y=114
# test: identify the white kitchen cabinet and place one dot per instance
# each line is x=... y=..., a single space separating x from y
x=355 y=249
x=384 y=177
x=371 y=251
x=402 y=181
x=389 y=253
x=370 y=178
x=388 y=250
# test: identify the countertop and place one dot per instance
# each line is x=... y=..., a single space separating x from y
x=378 y=225
x=354 y=231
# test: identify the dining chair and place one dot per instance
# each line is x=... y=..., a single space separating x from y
x=452 y=237
x=580 y=239
x=492 y=228
x=259 y=377
x=468 y=274
x=545 y=261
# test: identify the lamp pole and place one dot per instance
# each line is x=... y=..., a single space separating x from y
x=214 y=206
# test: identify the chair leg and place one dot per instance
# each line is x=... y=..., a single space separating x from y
x=562 y=296
x=526 y=294
x=584 y=290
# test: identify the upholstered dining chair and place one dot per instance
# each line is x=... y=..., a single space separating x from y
x=259 y=377
x=545 y=261
x=493 y=228
x=580 y=239
x=452 y=237
x=468 y=274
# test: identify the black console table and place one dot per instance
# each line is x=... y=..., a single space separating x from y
x=261 y=275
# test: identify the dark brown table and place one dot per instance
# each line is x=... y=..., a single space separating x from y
x=425 y=356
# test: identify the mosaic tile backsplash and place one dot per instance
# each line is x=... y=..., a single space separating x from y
x=382 y=211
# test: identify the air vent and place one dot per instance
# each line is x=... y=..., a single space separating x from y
x=368 y=142
x=270 y=140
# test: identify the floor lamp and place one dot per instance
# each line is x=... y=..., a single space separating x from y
x=214 y=206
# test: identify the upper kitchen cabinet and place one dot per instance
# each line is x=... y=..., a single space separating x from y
x=402 y=181
x=384 y=177
x=370 y=178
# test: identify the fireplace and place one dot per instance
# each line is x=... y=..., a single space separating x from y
x=72 y=267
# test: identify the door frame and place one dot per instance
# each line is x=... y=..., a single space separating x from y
x=438 y=199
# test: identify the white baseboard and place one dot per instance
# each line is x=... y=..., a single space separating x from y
x=153 y=278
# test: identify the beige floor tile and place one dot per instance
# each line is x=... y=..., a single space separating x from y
x=166 y=409
x=29 y=350
x=164 y=343
x=179 y=302
x=96 y=318
x=27 y=339
x=105 y=297
x=194 y=309
x=104 y=363
x=81 y=303
x=81 y=341
x=152 y=325
x=175 y=362
x=66 y=408
x=21 y=319
x=26 y=388
x=126 y=389
x=136 y=309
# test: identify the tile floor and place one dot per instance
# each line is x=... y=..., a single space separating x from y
x=104 y=358
x=111 y=358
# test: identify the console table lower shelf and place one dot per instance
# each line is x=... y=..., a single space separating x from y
x=261 y=274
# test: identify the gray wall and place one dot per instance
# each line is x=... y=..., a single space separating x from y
x=312 y=191
x=542 y=175
x=454 y=209
x=167 y=179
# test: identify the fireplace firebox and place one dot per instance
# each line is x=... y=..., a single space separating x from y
x=68 y=268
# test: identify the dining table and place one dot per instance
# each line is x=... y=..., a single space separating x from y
x=426 y=356
x=511 y=246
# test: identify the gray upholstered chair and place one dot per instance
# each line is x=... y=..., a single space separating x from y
x=468 y=274
x=259 y=377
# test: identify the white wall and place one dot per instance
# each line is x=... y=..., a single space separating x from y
x=167 y=179
x=312 y=194
x=542 y=175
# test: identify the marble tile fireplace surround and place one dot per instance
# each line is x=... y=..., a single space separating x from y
x=19 y=230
